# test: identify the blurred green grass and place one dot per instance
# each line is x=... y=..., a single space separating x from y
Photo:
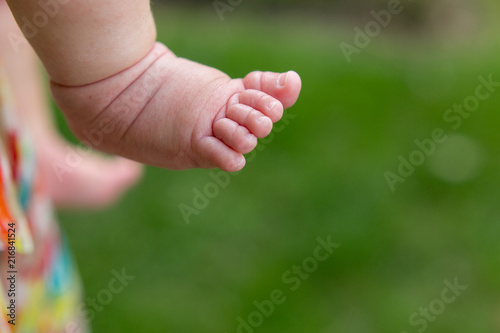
x=322 y=175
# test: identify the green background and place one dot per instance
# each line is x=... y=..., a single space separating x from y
x=322 y=175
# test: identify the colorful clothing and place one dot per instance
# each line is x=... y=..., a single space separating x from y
x=39 y=289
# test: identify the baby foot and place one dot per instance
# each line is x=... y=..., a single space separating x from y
x=94 y=182
x=174 y=113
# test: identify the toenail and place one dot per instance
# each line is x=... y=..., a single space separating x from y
x=261 y=119
x=239 y=161
x=282 y=79
x=271 y=105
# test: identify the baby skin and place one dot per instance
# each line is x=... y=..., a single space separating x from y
x=170 y=112
x=126 y=94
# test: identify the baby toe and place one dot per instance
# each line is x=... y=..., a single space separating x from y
x=234 y=135
x=255 y=121
x=217 y=153
x=263 y=102
x=283 y=86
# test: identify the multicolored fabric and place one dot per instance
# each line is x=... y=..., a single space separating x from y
x=38 y=278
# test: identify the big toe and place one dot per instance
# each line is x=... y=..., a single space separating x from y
x=283 y=86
